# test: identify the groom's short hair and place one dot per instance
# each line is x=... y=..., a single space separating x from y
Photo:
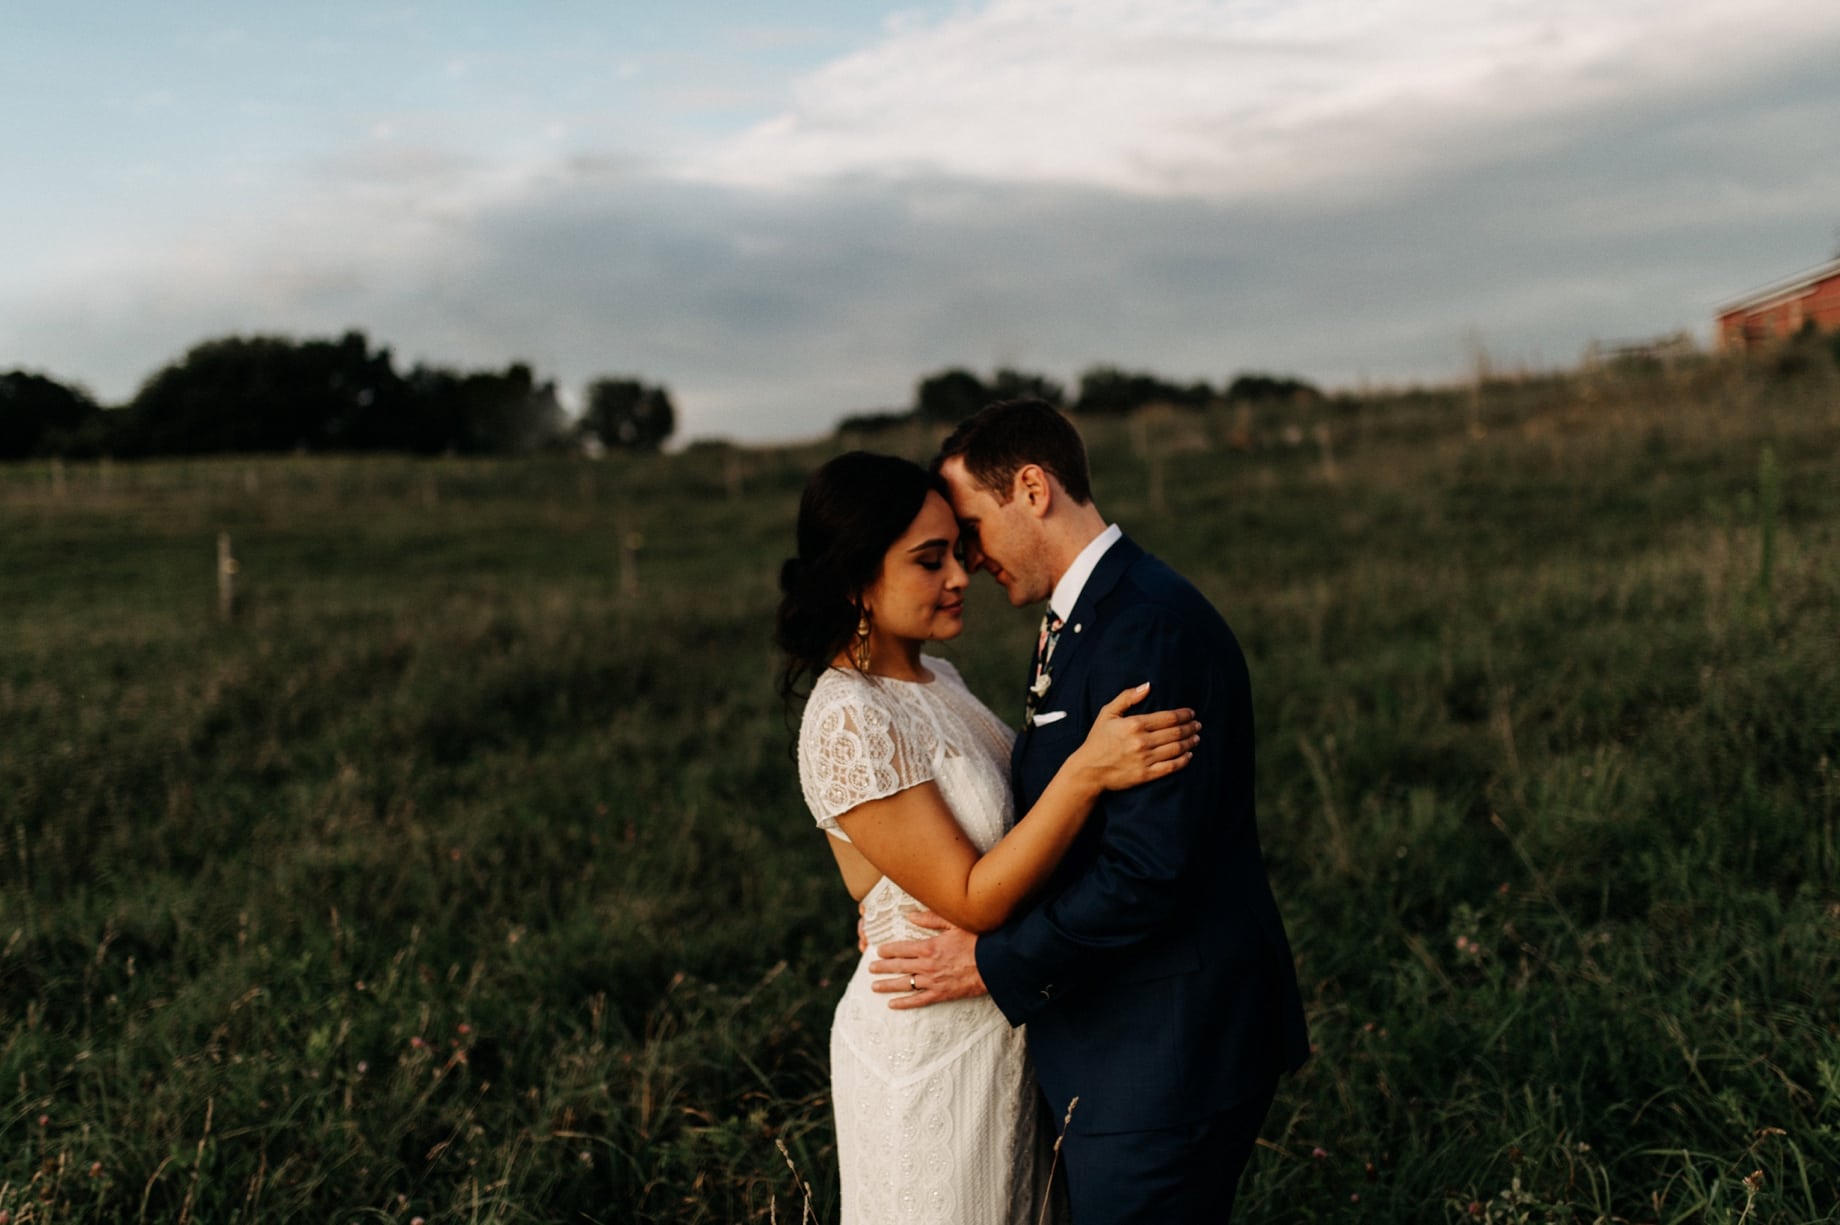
x=1000 y=438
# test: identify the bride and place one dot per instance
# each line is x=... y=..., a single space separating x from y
x=909 y=775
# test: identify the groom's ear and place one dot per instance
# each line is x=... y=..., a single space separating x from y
x=1034 y=489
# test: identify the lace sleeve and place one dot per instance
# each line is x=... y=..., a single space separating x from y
x=855 y=747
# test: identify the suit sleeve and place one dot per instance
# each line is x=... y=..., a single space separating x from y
x=1132 y=887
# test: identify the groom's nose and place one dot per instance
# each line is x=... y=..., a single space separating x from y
x=958 y=574
x=973 y=556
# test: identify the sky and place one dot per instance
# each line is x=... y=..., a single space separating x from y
x=790 y=213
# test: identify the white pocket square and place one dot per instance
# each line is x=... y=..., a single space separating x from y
x=1043 y=717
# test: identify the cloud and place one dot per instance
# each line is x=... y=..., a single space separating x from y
x=1243 y=98
x=771 y=315
x=938 y=199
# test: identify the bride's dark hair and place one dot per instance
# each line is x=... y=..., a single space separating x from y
x=853 y=509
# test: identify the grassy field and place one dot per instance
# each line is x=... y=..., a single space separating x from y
x=463 y=875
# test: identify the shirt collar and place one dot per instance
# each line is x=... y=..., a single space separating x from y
x=1067 y=591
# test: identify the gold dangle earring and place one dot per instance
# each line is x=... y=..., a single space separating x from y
x=859 y=649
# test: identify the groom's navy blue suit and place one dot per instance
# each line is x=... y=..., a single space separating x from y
x=1153 y=970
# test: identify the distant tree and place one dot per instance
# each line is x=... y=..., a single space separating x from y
x=1109 y=390
x=482 y=412
x=629 y=414
x=41 y=416
x=950 y=396
x=271 y=393
x=268 y=393
x=1018 y=384
x=875 y=423
x=1265 y=388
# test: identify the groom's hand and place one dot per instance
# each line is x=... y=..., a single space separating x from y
x=931 y=971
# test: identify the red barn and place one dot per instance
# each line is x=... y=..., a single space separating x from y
x=1781 y=310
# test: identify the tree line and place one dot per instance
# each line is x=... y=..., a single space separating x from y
x=952 y=395
x=273 y=394
x=258 y=394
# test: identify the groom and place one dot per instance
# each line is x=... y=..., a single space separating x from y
x=1153 y=970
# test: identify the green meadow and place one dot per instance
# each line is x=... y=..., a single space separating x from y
x=462 y=873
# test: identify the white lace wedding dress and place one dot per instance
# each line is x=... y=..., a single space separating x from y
x=935 y=1106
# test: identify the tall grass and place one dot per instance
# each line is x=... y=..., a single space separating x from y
x=455 y=880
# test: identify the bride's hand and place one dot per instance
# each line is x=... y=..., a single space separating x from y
x=1122 y=751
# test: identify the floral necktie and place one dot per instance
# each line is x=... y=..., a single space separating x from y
x=1039 y=677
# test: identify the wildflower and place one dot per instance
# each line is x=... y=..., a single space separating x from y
x=1475 y=1208
x=463 y=1028
x=1753 y=1182
x=363 y=1066
x=585 y=1157
x=1319 y=1153
x=417 y=1042
x=95 y=1169
x=44 y=1120
x=1354 y=1197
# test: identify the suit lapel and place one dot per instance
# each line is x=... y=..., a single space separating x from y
x=1081 y=628
x=1082 y=622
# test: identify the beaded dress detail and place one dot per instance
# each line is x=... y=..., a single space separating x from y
x=935 y=1106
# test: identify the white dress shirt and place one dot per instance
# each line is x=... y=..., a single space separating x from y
x=1067 y=591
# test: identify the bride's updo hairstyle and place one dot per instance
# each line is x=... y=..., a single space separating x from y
x=853 y=510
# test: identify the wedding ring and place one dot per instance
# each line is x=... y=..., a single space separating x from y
x=913 y=984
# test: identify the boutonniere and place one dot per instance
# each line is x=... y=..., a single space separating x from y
x=1038 y=689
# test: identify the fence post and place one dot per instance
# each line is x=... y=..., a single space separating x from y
x=1143 y=435
x=226 y=578
x=1325 y=438
x=631 y=541
x=1769 y=496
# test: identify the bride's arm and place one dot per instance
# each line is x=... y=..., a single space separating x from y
x=911 y=836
